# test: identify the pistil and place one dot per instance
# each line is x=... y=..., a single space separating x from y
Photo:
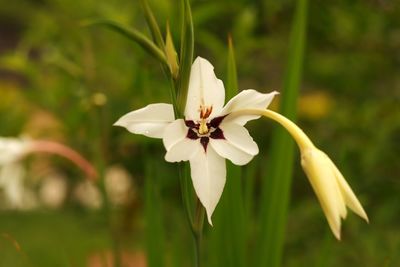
x=203 y=128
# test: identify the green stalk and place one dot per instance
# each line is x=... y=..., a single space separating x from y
x=186 y=54
x=198 y=232
x=185 y=65
x=154 y=228
x=277 y=182
x=187 y=192
x=153 y=25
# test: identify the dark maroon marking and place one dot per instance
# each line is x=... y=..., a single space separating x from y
x=191 y=124
x=192 y=134
x=204 y=141
x=217 y=134
x=215 y=122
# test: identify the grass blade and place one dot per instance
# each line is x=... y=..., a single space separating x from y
x=276 y=185
x=233 y=213
x=228 y=236
x=133 y=35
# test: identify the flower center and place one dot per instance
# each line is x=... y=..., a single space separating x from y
x=205 y=129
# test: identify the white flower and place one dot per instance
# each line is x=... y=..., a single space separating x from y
x=203 y=137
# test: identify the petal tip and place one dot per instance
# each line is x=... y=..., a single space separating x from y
x=117 y=123
x=209 y=220
x=365 y=217
x=336 y=232
x=338 y=237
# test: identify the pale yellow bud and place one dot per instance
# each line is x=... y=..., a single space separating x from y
x=171 y=54
x=329 y=185
x=331 y=188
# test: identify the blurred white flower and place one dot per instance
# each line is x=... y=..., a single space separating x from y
x=15 y=195
x=12 y=174
x=12 y=149
x=53 y=190
x=88 y=195
x=119 y=186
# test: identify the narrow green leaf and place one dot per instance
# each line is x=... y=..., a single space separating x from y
x=276 y=185
x=234 y=209
x=153 y=25
x=228 y=236
x=232 y=87
x=248 y=192
x=186 y=56
x=133 y=35
x=154 y=227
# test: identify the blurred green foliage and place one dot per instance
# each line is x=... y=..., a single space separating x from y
x=62 y=81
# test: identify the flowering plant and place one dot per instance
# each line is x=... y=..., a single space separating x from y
x=211 y=132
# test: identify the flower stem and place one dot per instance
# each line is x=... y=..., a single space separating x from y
x=198 y=231
x=195 y=221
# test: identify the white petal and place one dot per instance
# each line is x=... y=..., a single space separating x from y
x=183 y=150
x=238 y=145
x=178 y=146
x=248 y=99
x=174 y=133
x=204 y=89
x=208 y=173
x=348 y=195
x=238 y=136
x=149 y=121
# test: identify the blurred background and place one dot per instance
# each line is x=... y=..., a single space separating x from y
x=63 y=82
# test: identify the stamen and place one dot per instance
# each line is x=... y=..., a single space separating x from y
x=205 y=112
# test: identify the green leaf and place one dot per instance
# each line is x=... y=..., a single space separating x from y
x=228 y=236
x=277 y=182
x=232 y=87
x=186 y=54
x=133 y=35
